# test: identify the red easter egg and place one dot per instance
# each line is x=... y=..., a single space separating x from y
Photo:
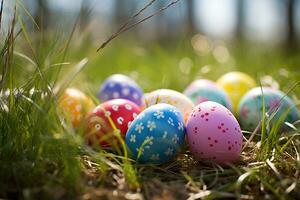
x=101 y=122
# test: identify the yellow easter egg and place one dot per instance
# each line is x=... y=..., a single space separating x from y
x=172 y=97
x=75 y=105
x=236 y=84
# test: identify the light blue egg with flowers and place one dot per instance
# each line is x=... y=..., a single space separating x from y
x=156 y=135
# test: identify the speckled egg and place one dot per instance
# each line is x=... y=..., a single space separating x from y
x=172 y=97
x=156 y=135
x=214 y=134
x=119 y=86
x=107 y=117
x=251 y=107
x=236 y=84
x=205 y=90
x=75 y=105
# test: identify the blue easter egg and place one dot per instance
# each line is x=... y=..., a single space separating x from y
x=156 y=135
x=276 y=103
x=119 y=86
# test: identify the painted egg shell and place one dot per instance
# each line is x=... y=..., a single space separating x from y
x=205 y=90
x=251 y=107
x=214 y=134
x=156 y=135
x=119 y=86
x=75 y=104
x=236 y=84
x=99 y=128
x=172 y=97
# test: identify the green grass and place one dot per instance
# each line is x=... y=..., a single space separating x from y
x=42 y=156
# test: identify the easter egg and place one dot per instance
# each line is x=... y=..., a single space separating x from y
x=119 y=86
x=156 y=135
x=275 y=101
x=108 y=116
x=236 y=84
x=214 y=134
x=75 y=104
x=205 y=90
x=172 y=97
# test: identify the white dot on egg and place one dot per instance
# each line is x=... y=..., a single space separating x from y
x=135 y=95
x=78 y=107
x=107 y=113
x=125 y=91
x=134 y=115
x=120 y=120
x=115 y=107
x=97 y=127
x=111 y=85
x=116 y=95
x=70 y=102
x=128 y=106
x=105 y=96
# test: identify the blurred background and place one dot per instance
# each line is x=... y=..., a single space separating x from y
x=272 y=21
x=193 y=38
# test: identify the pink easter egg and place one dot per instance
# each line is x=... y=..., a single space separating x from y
x=214 y=134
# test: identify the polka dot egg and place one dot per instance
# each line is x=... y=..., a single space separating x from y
x=101 y=121
x=236 y=84
x=120 y=86
x=75 y=104
x=214 y=134
x=251 y=107
x=205 y=90
x=156 y=135
x=172 y=97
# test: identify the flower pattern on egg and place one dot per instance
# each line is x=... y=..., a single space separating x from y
x=132 y=138
x=155 y=157
x=165 y=134
x=149 y=140
x=170 y=121
x=139 y=127
x=169 y=152
x=180 y=126
x=175 y=139
x=151 y=125
x=159 y=114
x=159 y=133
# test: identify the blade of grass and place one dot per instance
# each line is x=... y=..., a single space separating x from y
x=77 y=68
x=135 y=24
x=1 y=10
x=21 y=4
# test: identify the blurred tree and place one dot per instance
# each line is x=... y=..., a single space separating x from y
x=161 y=26
x=191 y=16
x=291 y=32
x=85 y=14
x=42 y=14
x=240 y=19
x=123 y=10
